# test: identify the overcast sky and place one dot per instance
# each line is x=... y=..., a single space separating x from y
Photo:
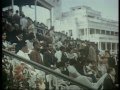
x=108 y=8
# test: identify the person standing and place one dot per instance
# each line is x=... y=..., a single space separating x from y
x=92 y=53
x=23 y=23
x=109 y=81
x=16 y=18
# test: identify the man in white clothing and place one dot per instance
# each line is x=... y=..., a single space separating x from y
x=23 y=22
x=58 y=55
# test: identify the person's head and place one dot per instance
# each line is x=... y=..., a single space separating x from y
x=19 y=34
x=50 y=47
x=62 y=48
x=17 y=11
x=31 y=36
x=107 y=52
x=60 y=65
x=23 y=46
x=111 y=71
x=36 y=45
x=4 y=36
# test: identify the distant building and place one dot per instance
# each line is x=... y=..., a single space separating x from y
x=87 y=24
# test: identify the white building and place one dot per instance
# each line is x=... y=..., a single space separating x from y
x=87 y=24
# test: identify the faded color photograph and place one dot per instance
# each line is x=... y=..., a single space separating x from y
x=60 y=45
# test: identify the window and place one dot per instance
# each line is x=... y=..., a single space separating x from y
x=113 y=46
x=116 y=33
x=97 y=31
x=90 y=16
x=81 y=31
x=108 y=46
x=102 y=31
x=112 y=33
x=107 y=32
x=103 y=45
x=117 y=46
x=92 y=31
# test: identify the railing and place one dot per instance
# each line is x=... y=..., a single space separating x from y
x=46 y=69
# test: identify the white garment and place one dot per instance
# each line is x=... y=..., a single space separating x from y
x=41 y=56
x=29 y=44
x=58 y=55
x=22 y=54
x=23 y=23
x=31 y=28
x=83 y=80
x=72 y=69
x=71 y=55
x=6 y=44
x=75 y=56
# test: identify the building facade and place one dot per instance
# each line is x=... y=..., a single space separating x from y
x=87 y=24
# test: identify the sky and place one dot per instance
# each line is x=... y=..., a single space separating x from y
x=108 y=9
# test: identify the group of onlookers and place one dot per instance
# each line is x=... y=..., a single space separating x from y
x=81 y=61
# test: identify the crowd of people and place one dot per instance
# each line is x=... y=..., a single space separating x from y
x=78 y=59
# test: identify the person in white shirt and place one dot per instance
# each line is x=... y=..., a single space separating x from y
x=23 y=22
x=30 y=40
x=58 y=55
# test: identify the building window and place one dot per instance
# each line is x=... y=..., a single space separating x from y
x=102 y=31
x=97 y=31
x=82 y=31
x=92 y=31
x=113 y=46
x=103 y=45
x=108 y=46
x=117 y=46
x=116 y=33
x=90 y=16
x=107 y=32
x=112 y=33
